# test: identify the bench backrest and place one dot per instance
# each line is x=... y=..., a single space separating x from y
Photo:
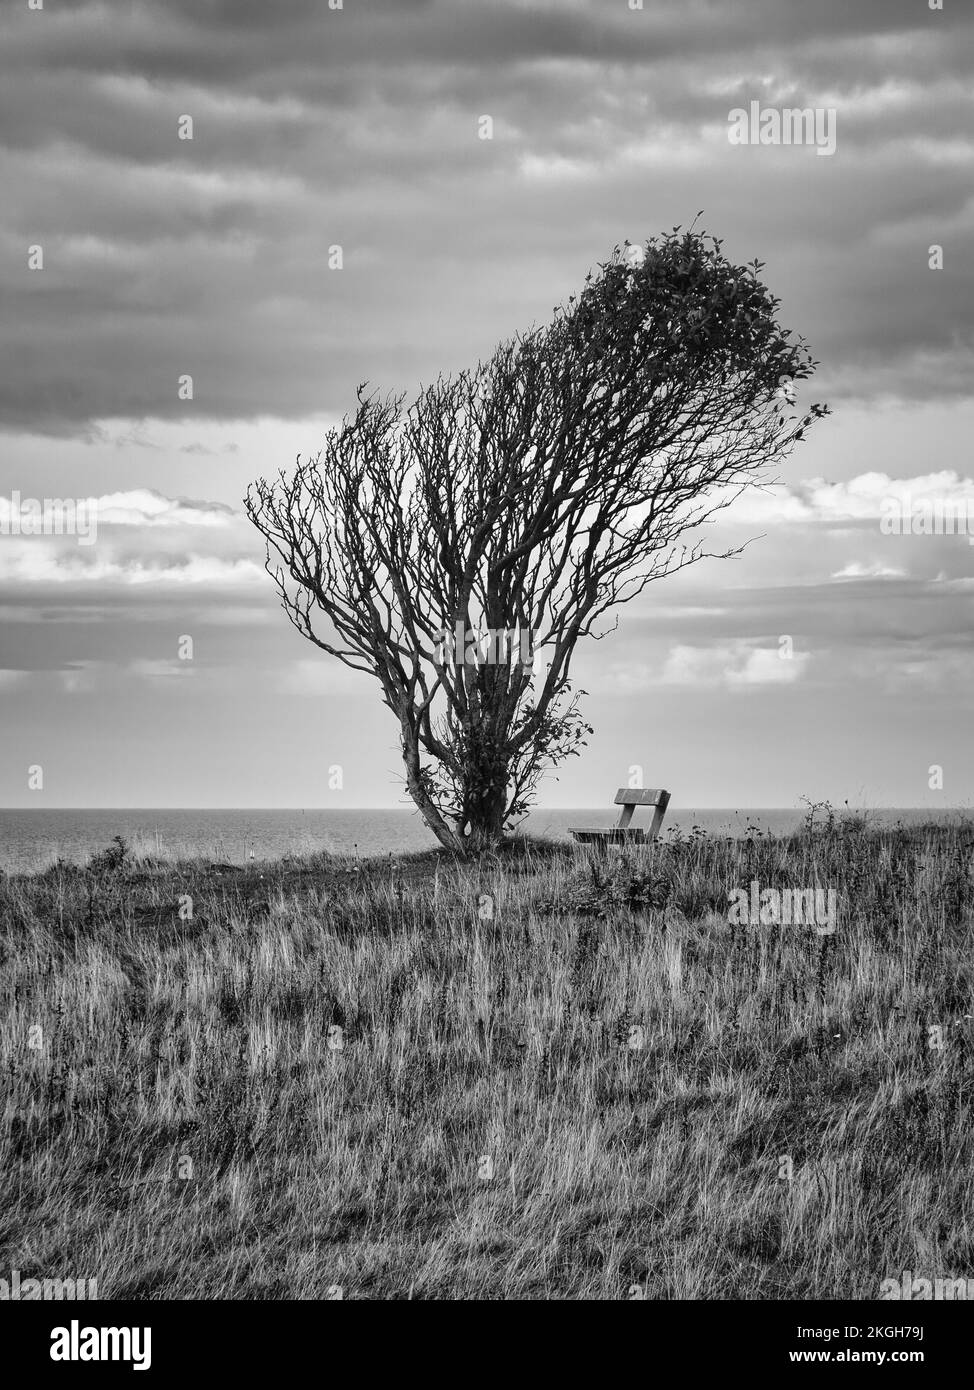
x=631 y=797
x=641 y=796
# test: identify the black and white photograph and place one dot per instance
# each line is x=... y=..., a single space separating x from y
x=486 y=600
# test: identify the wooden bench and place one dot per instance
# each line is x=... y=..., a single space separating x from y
x=621 y=833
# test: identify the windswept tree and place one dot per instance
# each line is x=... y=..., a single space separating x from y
x=459 y=548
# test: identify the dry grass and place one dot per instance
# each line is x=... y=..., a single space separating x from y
x=194 y=1054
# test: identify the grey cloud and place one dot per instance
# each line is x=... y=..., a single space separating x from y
x=359 y=128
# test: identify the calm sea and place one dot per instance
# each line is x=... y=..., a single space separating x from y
x=30 y=839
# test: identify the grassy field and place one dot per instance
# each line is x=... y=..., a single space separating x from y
x=538 y=1076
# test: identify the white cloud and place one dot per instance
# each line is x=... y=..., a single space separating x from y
x=146 y=507
x=874 y=570
x=160 y=668
x=765 y=666
x=36 y=561
x=857 y=500
x=556 y=168
x=732 y=665
x=141 y=507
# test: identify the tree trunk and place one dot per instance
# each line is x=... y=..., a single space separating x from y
x=487 y=822
x=485 y=799
x=443 y=831
x=485 y=780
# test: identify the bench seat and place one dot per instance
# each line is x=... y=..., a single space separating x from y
x=587 y=834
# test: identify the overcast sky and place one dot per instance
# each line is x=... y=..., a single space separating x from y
x=360 y=128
